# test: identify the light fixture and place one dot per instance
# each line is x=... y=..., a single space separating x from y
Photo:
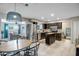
x=48 y=20
x=26 y=4
x=42 y=17
x=58 y=18
x=52 y=14
x=13 y=15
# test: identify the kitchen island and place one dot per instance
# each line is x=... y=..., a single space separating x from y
x=50 y=37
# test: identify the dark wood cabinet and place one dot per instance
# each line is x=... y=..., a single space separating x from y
x=77 y=51
x=55 y=35
x=43 y=35
x=50 y=38
x=45 y=26
x=58 y=36
x=59 y=25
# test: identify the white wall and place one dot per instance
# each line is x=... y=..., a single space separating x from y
x=72 y=23
x=75 y=28
x=2 y=15
x=66 y=24
x=0 y=28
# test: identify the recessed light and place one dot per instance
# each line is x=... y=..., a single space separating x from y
x=42 y=17
x=58 y=18
x=52 y=14
x=48 y=20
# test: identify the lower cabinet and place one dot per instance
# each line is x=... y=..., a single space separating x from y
x=77 y=51
x=49 y=39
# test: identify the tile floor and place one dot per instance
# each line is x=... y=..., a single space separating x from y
x=59 y=48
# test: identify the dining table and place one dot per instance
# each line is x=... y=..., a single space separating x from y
x=14 y=45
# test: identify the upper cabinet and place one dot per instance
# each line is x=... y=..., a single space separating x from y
x=48 y=26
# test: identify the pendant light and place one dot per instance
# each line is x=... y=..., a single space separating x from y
x=13 y=15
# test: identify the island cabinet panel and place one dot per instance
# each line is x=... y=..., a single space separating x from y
x=58 y=36
x=77 y=51
x=51 y=37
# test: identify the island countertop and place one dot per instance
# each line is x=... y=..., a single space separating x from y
x=77 y=46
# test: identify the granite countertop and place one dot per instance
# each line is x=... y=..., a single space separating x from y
x=77 y=46
x=50 y=33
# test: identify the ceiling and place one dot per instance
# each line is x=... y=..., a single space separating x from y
x=43 y=11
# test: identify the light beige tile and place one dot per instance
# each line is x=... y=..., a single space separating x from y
x=59 y=48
